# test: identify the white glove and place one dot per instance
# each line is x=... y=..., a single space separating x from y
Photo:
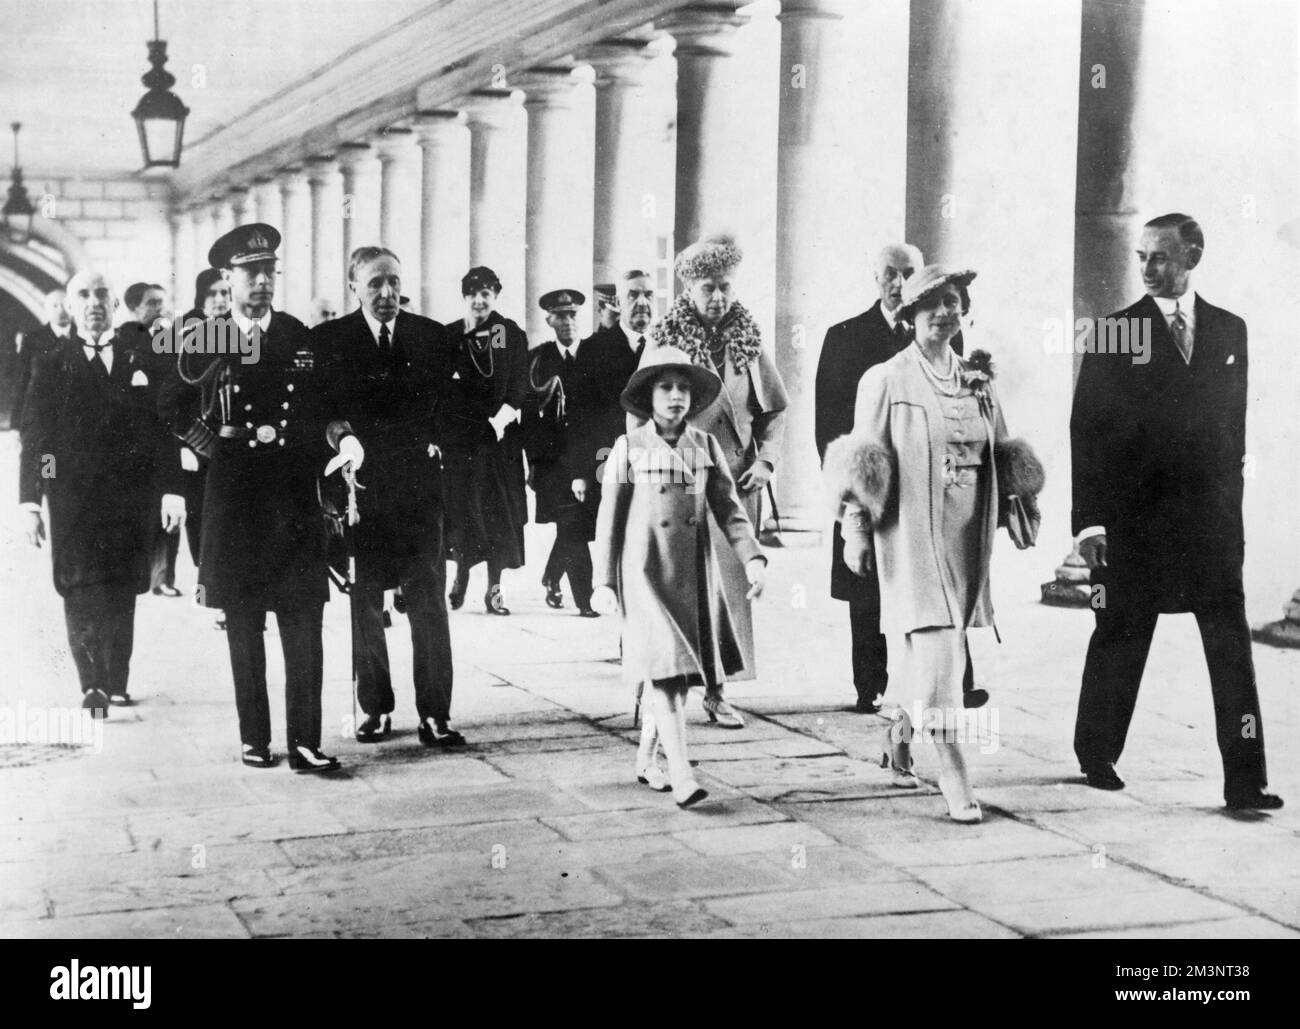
x=173 y=512
x=756 y=573
x=351 y=448
x=501 y=419
x=189 y=460
x=604 y=600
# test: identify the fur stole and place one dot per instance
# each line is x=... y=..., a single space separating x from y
x=682 y=328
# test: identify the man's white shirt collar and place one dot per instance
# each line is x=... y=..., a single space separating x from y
x=63 y=333
x=569 y=351
x=246 y=324
x=891 y=317
x=1186 y=304
x=375 y=323
x=634 y=338
x=87 y=341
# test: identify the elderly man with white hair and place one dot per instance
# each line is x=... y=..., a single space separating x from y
x=91 y=447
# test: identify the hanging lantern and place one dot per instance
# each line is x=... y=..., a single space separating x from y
x=18 y=209
x=160 y=115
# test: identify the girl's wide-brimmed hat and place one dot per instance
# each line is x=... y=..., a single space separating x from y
x=713 y=255
x=932 y=278
x=705 y=385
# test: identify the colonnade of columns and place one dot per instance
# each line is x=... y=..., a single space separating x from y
x=441 y=187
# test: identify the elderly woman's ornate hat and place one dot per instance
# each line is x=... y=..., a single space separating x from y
x=932 y=278
x=713 y=255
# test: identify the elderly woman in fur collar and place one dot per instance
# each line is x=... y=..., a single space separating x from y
x=747 y=418
x=927 y=476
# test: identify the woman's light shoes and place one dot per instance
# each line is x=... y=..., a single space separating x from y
x=962 y=808
x=654 y=777
x=723 y=713
x=901 y=778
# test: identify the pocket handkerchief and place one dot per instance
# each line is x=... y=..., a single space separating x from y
x=1232 y=359
x=139 y=378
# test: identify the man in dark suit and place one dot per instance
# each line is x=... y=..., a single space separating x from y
x=91 y=445
x=633 y=312
x=58 y=326
x=146 y=301
x=387 y=371
x=566 y=446
x=269 y=431
x=1158 y=436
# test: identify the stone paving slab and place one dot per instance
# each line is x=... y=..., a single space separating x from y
x=1223 y=929
x=194 y=922
x=633 y=919
x=805 y=905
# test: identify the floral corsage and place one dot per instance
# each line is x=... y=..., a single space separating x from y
x=976 y=376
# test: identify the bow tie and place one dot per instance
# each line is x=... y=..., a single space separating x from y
x=96 y=347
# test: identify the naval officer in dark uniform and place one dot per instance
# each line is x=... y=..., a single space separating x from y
x=269 y=430
x=388 y=371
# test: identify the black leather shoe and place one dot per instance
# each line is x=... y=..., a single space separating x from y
x=1103 y=777
x=587 y=612
x=493 y=604
x=257 y=757
x=122 y=699
x=97 y=703
x=1253 y=800
x=374 y=728
x=310 y=759
x=457 y=595
x=554 y=598
x=974 y=698
x=432 y=736
x=866 y=707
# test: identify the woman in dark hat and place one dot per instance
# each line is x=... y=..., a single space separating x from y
x=928 y=475
x=664 y=484
x=747 y=418
x=482 y=452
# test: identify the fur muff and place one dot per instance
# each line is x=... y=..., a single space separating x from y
x=1020 y=473
x=859 y=471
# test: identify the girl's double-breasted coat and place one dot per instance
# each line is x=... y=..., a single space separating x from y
x=654 y=549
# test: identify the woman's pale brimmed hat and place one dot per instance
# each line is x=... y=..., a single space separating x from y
x=932 y=278
x=705 y=385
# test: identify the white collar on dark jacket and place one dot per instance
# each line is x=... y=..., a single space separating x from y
x=1186 y=304
x=374 y=324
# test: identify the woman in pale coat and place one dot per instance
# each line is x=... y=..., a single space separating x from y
x=926 y=471
x=664 y=484
x=747 y=418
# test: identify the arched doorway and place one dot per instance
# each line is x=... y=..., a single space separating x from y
x=28 y=271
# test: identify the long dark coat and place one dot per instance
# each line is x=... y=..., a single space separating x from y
x=390 y=401
x=487 y=507
x=263 y=539
x=576 y=445
x=850 y=348
x=654 y=549
x=94 y=448
x=38 y=341
x=1157 y=450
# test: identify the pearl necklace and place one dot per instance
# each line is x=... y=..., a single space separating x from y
x=940 y=382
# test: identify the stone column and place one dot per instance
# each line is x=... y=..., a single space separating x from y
x=326 y=228
x=223 y=217
x=620 y=238
x=265 y=205
x=360 y=204
x=201 y=237
x=444 y=211
x=399 y=203
x=804 y=221
x=183 y=270
x=932 y=102
x=1106 y=219
x=704 y=177
x=296 y=246
x=554 y=204
x=239 y=206
x=496 y=230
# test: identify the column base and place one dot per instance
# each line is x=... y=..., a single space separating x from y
x=790 y=532
x=1072 y=586
x=1282 y=633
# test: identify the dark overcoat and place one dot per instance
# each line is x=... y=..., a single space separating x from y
x=574 y=445
x=391 y=402
x=1157 y=448
x=94 y=448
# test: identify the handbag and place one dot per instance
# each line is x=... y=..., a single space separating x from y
x=1022 y=519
